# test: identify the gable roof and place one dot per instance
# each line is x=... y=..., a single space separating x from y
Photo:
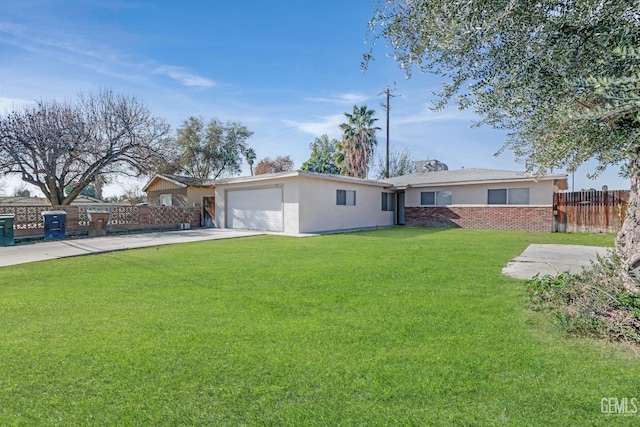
x=467 y=176
x=181 y=181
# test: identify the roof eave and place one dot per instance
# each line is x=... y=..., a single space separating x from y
x=301 y=173
x=160 y=176
x=487 y=181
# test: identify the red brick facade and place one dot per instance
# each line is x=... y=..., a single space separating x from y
x=521 y=218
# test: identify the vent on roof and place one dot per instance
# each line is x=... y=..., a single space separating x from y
x=423 y=166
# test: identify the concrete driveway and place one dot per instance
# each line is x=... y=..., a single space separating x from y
x=552 y=260
x=11 y=255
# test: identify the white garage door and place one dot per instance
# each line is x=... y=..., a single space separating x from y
x=258 y=209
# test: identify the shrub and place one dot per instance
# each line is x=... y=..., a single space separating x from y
x=602 y=301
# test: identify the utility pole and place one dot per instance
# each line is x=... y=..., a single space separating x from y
x=387 y=108
x=386 y=173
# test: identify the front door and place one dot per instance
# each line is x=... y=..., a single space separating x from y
x=208 y=211
x=400 y=208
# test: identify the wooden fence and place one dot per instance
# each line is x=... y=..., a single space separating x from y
x=589 y=211
x=28 y=219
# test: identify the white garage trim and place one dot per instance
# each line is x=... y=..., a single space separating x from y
x=258 y=208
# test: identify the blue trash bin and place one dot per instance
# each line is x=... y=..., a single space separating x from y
x=6 y=229
x=54 y=224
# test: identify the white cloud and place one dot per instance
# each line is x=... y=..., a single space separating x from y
x=45 y=41
x=344 y=98
x=324 y=125
x=184 y=77
x=9 y=28
x=94 y=55
x=9 y=104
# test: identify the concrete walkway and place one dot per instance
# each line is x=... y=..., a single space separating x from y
x=20 y=254
x=552 y=260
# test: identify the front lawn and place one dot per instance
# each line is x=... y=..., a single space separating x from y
x=403 y=326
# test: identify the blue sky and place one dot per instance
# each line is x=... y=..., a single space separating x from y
x=287 y=69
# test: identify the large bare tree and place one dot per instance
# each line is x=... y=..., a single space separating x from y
x=56 y=144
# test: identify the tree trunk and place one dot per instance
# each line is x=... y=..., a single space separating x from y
x=98 y=183
x=628 y=239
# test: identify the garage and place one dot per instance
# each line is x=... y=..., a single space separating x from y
x=255 y=209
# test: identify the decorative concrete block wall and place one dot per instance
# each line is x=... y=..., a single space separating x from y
x=28 y=219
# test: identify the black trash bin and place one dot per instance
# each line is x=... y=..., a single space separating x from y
x=6 y=229
x=54 y=224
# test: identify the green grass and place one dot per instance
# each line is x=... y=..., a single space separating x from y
x=404 y=326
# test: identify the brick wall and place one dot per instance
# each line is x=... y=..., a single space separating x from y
x=521 y=218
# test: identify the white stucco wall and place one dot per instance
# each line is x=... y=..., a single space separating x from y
x=291 y=203
x=319 y=211
x=540 y=193
x=309 y=204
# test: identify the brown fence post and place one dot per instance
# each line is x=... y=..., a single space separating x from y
x=196 y=220
x=559 y=213
x=73 y=220
x=145 y=217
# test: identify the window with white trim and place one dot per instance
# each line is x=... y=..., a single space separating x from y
x=346 y=197
x=436 y=198
x=165 y=200
x=388 y=202
x=508 y=196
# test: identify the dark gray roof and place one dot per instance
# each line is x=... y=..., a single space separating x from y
x=183 y=181
x=465 y=176
x=187 y=180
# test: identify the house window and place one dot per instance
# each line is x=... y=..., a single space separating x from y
x=497 y=197
x=428 y=198
x=443 y=198
x=165 y=200
x=346 y=197
x=388 y=202
x=518 y=196
x=433 y=198
x=508 y=196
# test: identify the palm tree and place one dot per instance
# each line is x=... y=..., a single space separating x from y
x=358 y=142
x=250 y=157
